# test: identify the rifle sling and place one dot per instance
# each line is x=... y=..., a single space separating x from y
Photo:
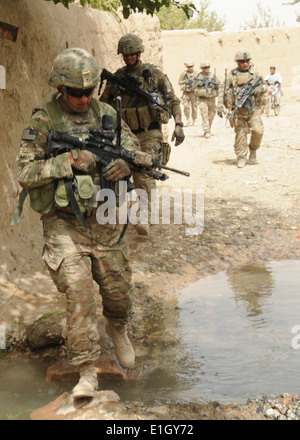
x=73 y=201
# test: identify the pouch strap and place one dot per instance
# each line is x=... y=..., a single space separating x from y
x=19 y=208
x=73 y=202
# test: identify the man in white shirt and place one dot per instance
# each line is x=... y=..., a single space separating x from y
x=274 y=79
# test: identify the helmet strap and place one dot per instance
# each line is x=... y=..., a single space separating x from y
x=138 y=59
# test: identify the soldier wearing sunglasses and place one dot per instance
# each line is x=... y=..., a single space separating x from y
x=145 y=120
x=246 y=120
x=75 y=257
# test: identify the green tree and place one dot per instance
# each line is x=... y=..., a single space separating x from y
x=173 y=18
x=131 y=6
x=263 y=19
x=206 y=19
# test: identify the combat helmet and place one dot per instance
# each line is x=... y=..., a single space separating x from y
x=189 y=63
x=242 y=55
x=74 y=67
x=204 y=63
x=130 y=43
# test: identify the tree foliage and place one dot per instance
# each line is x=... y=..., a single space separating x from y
x=131 y=6
x=263 y=19
x=173 y=18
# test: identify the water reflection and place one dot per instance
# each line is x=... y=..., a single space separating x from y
x=253 y=286
x=240 y=324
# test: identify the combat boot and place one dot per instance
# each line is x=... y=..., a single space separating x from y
x=142 y=229
x=252 y=156
x=88 y=383
x=123 y=347
x=241 y=163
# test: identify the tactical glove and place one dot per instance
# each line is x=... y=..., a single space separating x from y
x=116 y=170
x=178 y=135
x=83 y=160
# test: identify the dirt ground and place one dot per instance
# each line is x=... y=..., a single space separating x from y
x=251 y=216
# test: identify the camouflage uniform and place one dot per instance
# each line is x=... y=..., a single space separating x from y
x=207 y=90
x=245 y=121
x=189 y=98
x=75 y=257
x=145 y=122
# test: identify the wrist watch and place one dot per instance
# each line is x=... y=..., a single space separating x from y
x=180 y=124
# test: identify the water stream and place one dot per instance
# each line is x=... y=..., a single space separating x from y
x=238 y=337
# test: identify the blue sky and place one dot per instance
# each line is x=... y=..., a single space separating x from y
x=237 y=12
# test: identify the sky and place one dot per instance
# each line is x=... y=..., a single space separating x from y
x=237 y=12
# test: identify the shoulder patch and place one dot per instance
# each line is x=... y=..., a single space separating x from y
x=29 y=134
x=234 y=71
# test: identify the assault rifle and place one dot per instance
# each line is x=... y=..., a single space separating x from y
x=206 y=82
x=188 y=82
x=132 y=85
x=101 y=143
x=106 y=145
x=245 y=97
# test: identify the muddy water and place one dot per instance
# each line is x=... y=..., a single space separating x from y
x=235 y=341
x=238 y=327
x=23 y=387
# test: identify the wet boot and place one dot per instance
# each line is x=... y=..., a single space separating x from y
x=123 y=347
x=87 y=385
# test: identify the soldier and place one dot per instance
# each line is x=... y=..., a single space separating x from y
x=207 y=89
x=74 y=256
x=145 y=121
x=244 y=119
x=188 y=99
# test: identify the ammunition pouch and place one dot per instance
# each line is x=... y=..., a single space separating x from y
x=42 y=198
x=142 y=117
x=83 y=190
x=210 y=92
x=201 y=93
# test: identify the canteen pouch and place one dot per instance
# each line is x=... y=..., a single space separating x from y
x=132 y=118
x=42 y=198
x=144 y=116
x=166 y=152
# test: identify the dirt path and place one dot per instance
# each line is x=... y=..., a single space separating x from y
x=251 y=216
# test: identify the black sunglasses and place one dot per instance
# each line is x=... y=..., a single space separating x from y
x=78 y=93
